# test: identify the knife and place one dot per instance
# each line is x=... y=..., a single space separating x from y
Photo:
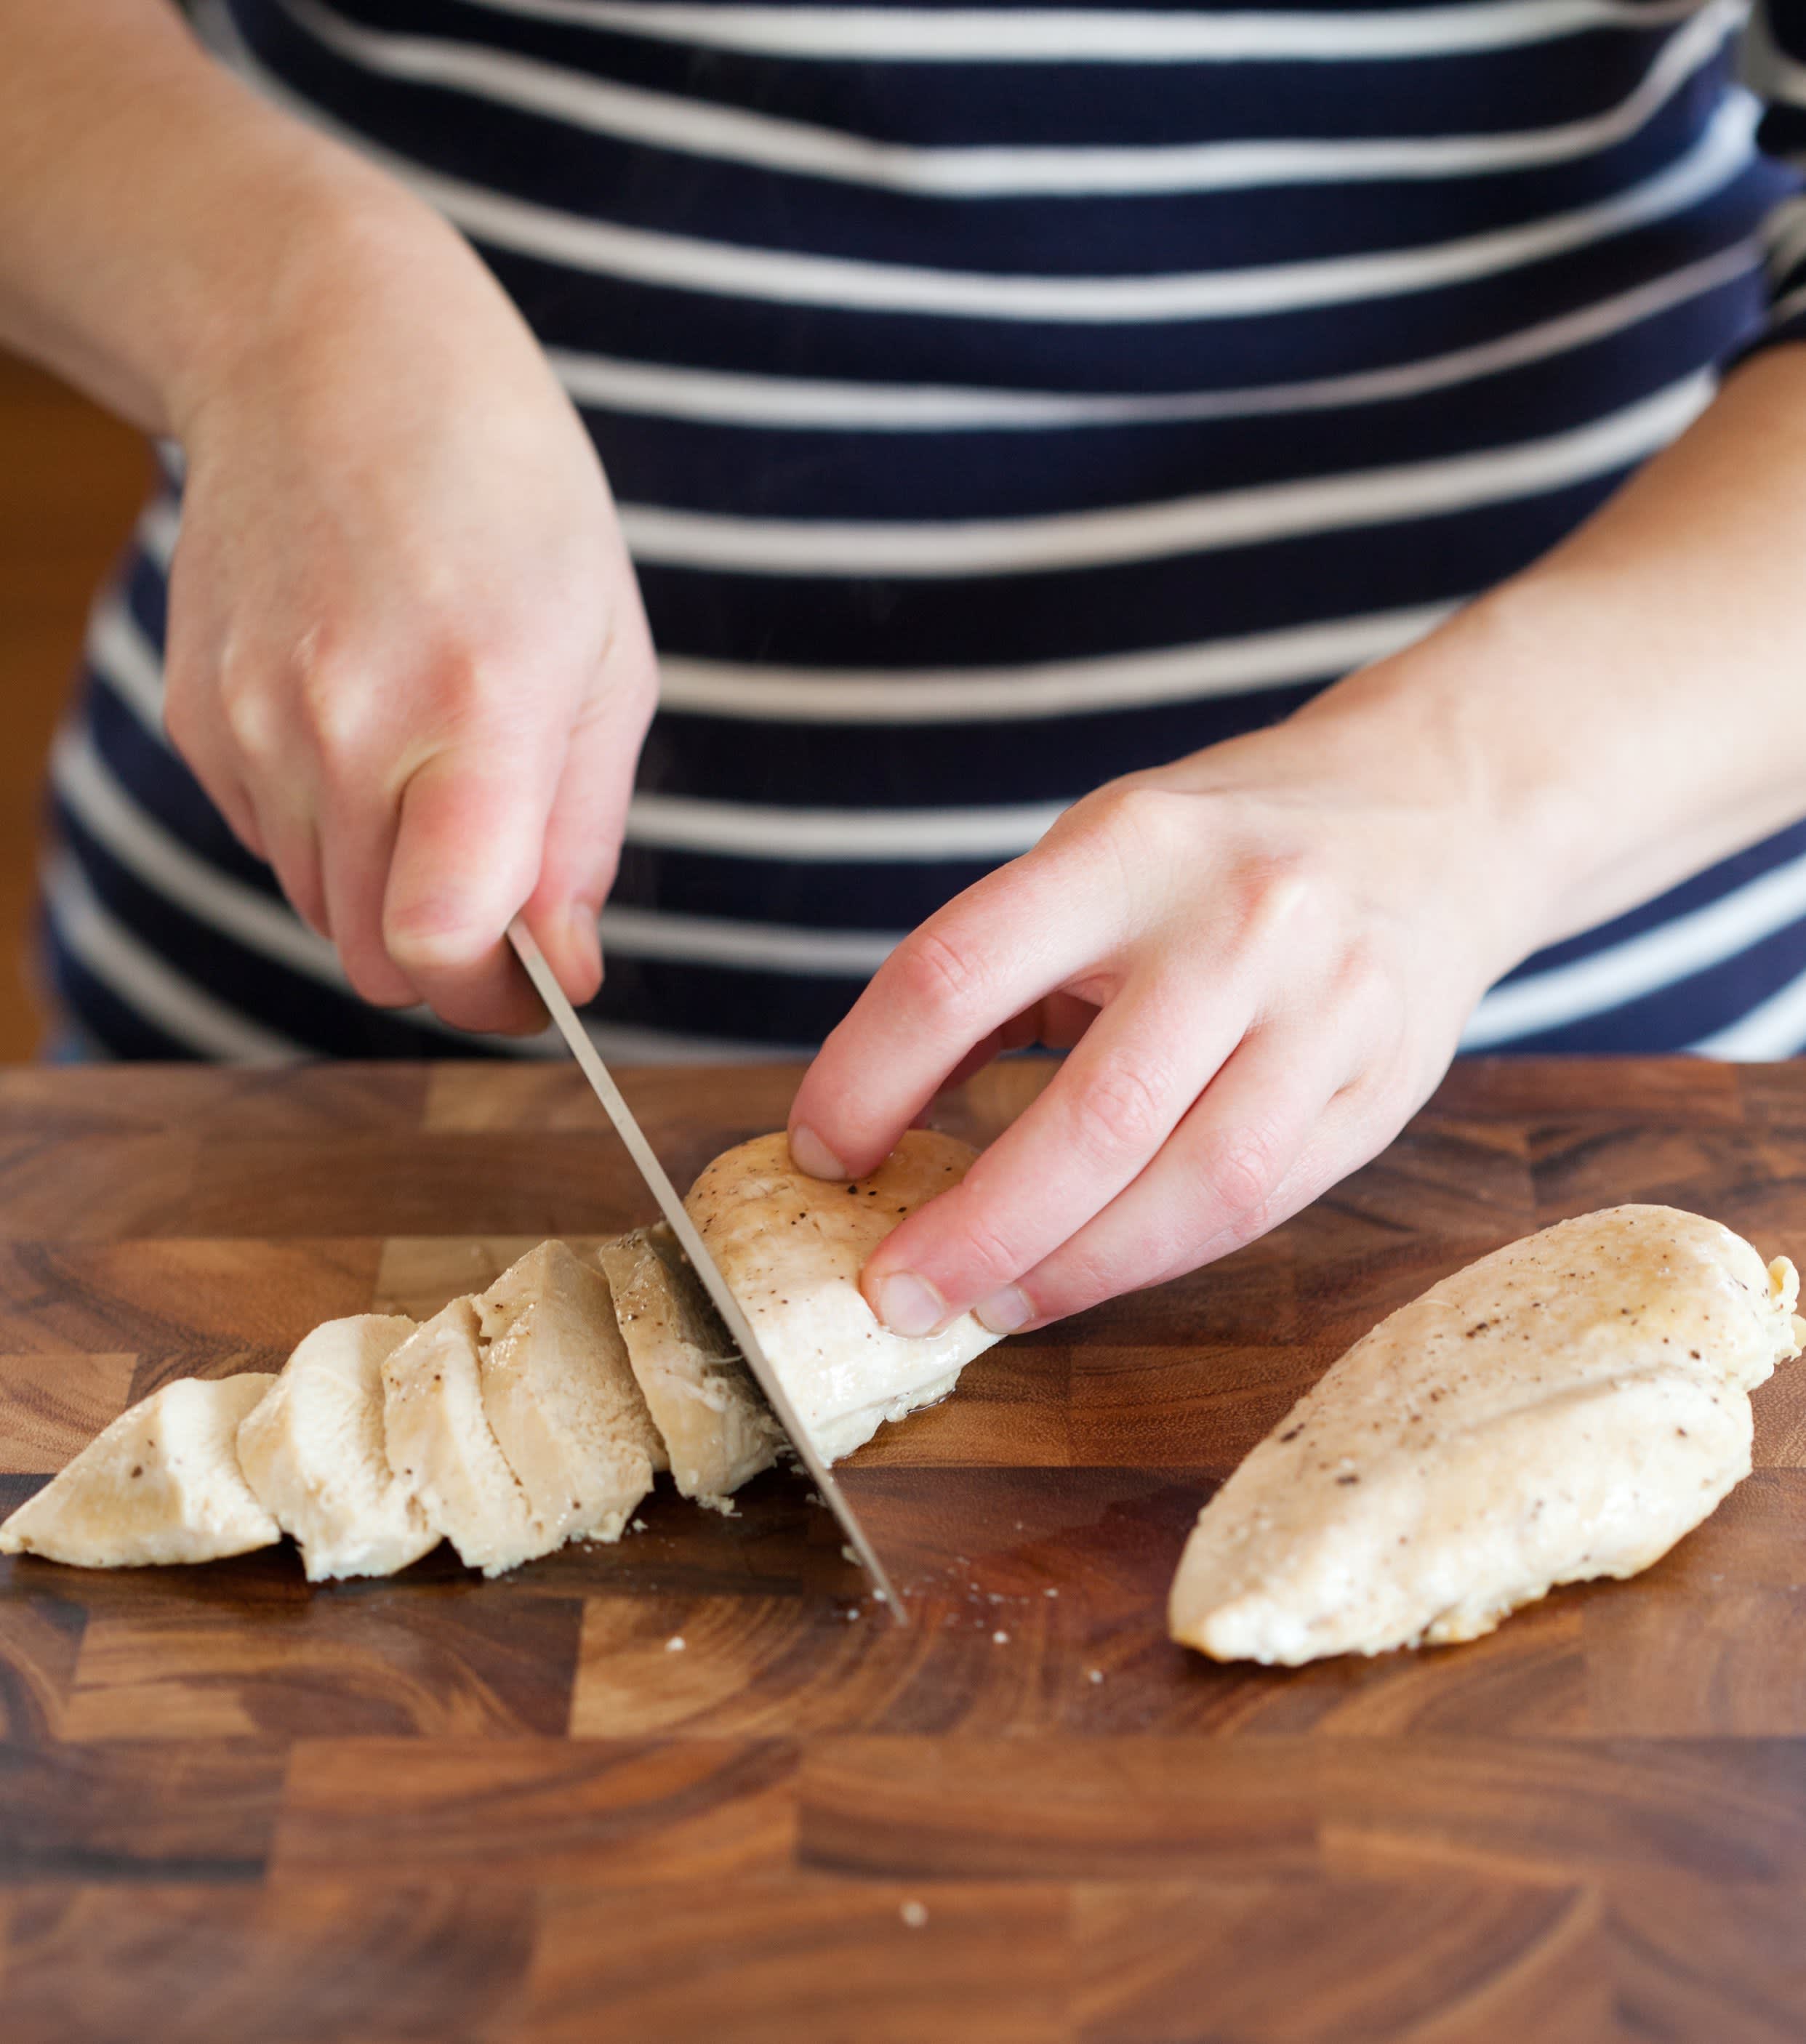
x=701 y=1262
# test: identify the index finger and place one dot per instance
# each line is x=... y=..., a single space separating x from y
x=950 y=986
x=1089 y=1134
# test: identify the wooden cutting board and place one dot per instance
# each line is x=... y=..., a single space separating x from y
x=235 y=1808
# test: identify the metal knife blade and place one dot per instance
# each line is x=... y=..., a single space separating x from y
x=704 y=1265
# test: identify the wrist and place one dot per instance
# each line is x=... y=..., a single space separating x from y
x=1443 y=730
x=148 y=203
x=339 y=240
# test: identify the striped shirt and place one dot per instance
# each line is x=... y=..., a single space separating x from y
x=1000 y=399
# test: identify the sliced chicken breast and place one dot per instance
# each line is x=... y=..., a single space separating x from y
x=791 y=1247
x=442 y=1449
x=161 y=1484
x=717 y=1428
x=313 y=1450
x=561 y=1396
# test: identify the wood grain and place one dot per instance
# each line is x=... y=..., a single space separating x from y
x=439 y=1808
x=514 y=1811
x=423 y=1657
x=768 y=1962
x=52 y=1405
x=192 y=1811
x=368 y=1963
x=1167 y=1962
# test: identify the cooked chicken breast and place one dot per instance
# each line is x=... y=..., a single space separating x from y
x=161 y=1484
x=562 y=1398
x=1568 y=1407
x=717 y=1426
x=312 y=1451
x=441 y=1447
x=791 y=1248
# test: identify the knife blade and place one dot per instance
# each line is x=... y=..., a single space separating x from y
x=615 y=1106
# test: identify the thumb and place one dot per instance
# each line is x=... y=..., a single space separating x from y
x=467 y=848
x=583 y=831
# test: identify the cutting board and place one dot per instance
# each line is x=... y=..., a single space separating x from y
x=698 y=1787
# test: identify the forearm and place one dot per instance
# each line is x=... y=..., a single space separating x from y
x=1633 y=707
x=149 y=205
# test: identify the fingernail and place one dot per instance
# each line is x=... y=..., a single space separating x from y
x=582 y=935
x=910 y=1305
x=418 y=950
x=811 y=1156
x=1006 y=1310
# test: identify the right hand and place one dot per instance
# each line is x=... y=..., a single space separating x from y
x=406 y=654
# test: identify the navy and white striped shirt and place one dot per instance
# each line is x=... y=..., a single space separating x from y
x=1000 y=399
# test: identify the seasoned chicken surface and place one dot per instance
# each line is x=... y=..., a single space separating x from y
x=561 y=1397
x=717 y=1428
x=160 y=1485
x=1566 y=1407
x=442 y=1449
x=791 y=1248
x=313 y=1451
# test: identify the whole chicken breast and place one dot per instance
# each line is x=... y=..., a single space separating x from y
x=1568 y=1407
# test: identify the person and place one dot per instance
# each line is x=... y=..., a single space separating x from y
x=1131 y=505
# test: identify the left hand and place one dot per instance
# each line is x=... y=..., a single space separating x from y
x=1261 y=959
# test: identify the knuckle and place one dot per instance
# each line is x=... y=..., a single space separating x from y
x=942 y=980
x=1371 y=995
x=1241 y=1167
x=1242 y=1228
x=1142 y=817
x=476 y=694
x=1121 y=1111
x=251 y=726
x=247 y=706
x=987 y=1249
x=339 y=703
x=1290 y=902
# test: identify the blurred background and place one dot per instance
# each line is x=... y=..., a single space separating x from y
x=72 y=480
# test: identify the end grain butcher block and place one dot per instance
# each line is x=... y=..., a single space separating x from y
x=695 y=1786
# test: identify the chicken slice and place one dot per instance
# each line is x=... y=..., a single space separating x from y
x=1568 y=1407
x=441 y=1448
x=561 y=1396
x=313 y=1452
x=791 y=1248
x=718 y=1430
x=161 y=1484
